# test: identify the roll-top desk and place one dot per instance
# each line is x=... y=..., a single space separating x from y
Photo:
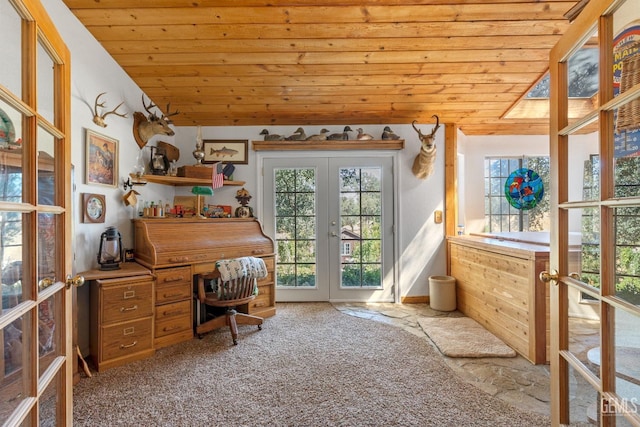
x=176 y=249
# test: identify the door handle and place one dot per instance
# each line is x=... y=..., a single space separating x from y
x=550 y=277
x=333 y=234
x=74 y=281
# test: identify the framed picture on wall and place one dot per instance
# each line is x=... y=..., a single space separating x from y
x=234 y=151
x=101 y=159
x=94 y=208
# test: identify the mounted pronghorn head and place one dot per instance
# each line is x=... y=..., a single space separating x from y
x=423 y=163
x=99 y=118
x=144 y=127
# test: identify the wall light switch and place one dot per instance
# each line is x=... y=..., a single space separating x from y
x=437 y=217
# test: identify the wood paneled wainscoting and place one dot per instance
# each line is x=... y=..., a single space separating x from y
x=497 y=285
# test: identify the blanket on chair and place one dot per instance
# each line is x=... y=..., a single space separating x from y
x=231 y=269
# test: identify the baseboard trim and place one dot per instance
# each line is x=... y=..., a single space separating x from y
x=423 y=299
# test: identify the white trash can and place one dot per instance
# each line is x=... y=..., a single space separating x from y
x=442 y=293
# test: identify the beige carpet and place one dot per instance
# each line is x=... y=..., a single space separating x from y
x=310 y=365
x=463 y=337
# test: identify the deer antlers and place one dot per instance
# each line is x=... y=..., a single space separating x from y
x=427 y=139
x=99 y=118
x=153 y=116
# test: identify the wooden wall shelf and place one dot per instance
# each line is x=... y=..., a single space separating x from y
x=182 y=181
x=397 y=144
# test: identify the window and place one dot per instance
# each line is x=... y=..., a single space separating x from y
x=346 y=249
x=500 y=216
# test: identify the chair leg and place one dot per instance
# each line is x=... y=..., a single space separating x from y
x=232 y=319
x=248 y=319
x=233 y=326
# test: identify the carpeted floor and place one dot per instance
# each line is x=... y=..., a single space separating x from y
x=463 y=337
x=310 y=366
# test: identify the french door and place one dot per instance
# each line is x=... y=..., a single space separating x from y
x=594 y=280
x=36 y=366
x=332 y=220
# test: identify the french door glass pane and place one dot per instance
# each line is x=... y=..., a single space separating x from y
x=45 y=83
x=360 y=220
x=10 y=34
x=627 y=253
x=584 y=166
x=46 y=155
x=46 y=245
x=295 y=218
x=584 y=401
x=583 y=80
x=584 y=333
x=49 y=403
x=10 y=154
x=49 y=328
x=627 y=351
x=13 y=361
x=13 y=286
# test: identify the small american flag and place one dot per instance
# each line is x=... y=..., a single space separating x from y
x=217 y=180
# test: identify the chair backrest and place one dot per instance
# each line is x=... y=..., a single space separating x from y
x=235 y=289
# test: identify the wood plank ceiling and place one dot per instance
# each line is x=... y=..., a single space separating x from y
x=334 y=62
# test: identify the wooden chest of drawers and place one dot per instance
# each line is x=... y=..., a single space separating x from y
x=173 y=322
x=122 y=318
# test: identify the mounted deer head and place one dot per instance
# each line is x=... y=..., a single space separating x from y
x=423 y=163
x=144 y=127
x=99 y=118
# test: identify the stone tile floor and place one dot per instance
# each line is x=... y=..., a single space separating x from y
x=514 y=380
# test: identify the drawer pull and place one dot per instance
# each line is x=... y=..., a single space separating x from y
x=170 y=328
x=174 y=279
x=259 y=304
x=128 y=331
x=129 y=294
x=123 y=346
x=172 y=313
x=171 y=295
x=179 y=259
x=257 y=251
x=122 y=309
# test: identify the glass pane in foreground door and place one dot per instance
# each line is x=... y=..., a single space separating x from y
x=295 y=216
x=360 y=224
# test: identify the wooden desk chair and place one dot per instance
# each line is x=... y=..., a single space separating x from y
x=229 y=295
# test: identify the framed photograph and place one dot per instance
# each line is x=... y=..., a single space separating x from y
x=94 y=208
x=226 y=150
x=101 y=159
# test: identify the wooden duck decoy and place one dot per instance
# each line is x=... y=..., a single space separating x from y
x=271 y=137
x=387 y=133
x=344 y=136
x=298 y=135
x=363 y=136
x=322 y=136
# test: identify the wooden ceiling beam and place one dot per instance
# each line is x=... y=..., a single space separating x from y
x=462 y=68
x=115 y=30
x=336 y=81
x=204 y=46
x=355 y=90
x=316 y=14
x=123 y=4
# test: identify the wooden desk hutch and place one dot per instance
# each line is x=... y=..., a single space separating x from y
x=174 y=250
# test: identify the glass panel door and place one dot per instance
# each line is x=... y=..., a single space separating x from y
x=595 y=249
x=35 y=254
x=332 y=226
